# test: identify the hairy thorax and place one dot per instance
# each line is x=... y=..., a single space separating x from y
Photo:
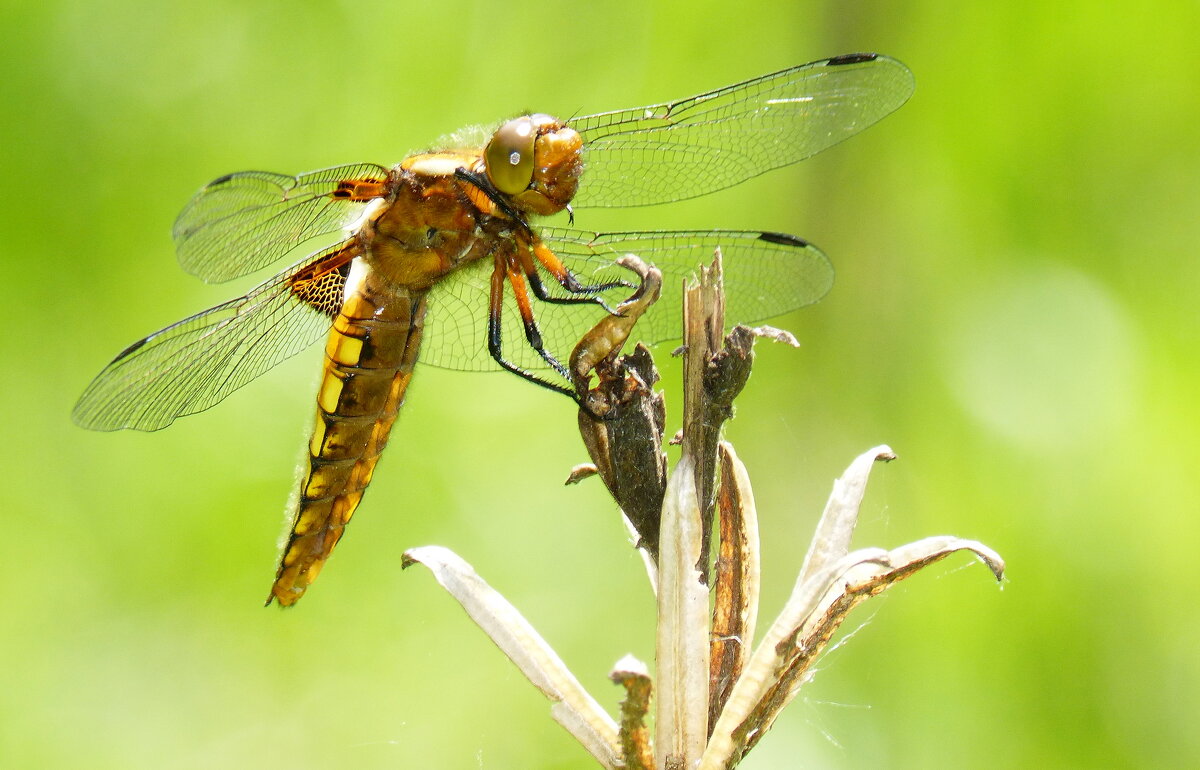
x=430 y=226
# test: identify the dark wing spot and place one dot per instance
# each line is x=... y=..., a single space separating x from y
x=851 y=58
x=783 y=239
x=220 y=180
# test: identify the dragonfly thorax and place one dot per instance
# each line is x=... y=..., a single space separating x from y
x=536 y=161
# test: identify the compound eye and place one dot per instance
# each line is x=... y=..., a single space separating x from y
x=508 y=157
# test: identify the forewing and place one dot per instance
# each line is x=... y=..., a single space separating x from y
x=766 y=274
x=688 y=148
x=243 y=222
x=191 y=365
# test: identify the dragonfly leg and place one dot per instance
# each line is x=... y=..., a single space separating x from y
x=534 y=335
x=549 y=260
x=539 y=291
x=496 y=302
x=583 y=294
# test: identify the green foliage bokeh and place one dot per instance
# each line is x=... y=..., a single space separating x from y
x=1015 y=314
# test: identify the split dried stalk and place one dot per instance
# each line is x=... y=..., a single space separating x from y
x=735 y=605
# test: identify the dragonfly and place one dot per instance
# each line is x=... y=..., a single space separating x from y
x=443 y=257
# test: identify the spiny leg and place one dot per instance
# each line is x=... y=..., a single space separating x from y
x=532 y=334
x=495 y=305
x=531 y=248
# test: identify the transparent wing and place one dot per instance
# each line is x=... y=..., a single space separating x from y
x=191 y=365
x=766 y=274
x=242 y=222
x=688 y=148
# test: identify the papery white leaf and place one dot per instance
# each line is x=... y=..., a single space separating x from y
x=572 y=707
x=928 y=550
x=681 y=654
x=832 y=538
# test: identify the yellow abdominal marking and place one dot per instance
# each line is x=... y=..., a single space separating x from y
x=327 y=397
x=343 y=349
x=318 y=438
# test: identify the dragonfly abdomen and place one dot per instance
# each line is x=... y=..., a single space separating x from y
x=369 y=358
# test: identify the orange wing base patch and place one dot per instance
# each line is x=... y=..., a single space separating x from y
x=323 y=283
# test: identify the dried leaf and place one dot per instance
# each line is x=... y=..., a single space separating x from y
x=817 y=608
x=572 y=706
x=782 y=336
x=580 y=472
x=735 y=609
x=831 y=540
x=621 y=419
x=859 y=584
x=737 y=725
x=605 y=339
x=626 y=446
x=681 y=651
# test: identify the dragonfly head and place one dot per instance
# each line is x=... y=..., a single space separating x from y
x=535 y=160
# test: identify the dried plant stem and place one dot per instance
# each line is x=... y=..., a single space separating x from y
x=703 y=328
x=636 y=749
x=681 y=649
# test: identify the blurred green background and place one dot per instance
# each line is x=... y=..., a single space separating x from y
x=1016 y=314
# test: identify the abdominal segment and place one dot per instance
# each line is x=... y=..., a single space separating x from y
x=369 y=358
